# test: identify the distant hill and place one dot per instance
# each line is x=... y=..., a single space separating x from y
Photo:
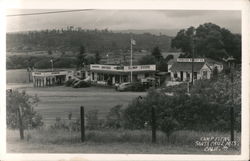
x=92 y=40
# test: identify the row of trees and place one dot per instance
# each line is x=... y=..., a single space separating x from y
x=70 y=40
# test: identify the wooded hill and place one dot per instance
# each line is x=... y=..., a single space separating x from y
x=93 y=40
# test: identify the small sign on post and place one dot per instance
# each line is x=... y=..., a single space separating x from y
x=82 y=124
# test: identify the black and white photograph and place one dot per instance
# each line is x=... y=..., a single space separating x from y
x=124 y=81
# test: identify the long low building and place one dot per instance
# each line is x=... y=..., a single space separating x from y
x=45 y=78
x=112 y=74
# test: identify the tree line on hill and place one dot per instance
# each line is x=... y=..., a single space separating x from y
x=207 y=40
x=94 y=40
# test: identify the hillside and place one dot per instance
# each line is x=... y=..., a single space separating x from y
x=93 y=40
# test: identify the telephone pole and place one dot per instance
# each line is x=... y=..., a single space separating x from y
x=193 y=37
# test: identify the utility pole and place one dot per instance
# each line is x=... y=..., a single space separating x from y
x=193 y=57
x=131 y=59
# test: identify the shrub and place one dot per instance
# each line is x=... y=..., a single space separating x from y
x=92 y=119
x=114 y=117
x=207 y=108
x=168 y=125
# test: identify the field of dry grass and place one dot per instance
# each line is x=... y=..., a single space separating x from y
x=112 y=141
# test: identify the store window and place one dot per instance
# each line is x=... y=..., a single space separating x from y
x=175 y=75
x=188 y=76
x=195 y=75
x=204 y=74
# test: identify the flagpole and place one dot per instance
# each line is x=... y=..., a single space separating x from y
x=131 y=53
x=51 y=65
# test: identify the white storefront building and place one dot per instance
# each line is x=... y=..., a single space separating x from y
x=112 y=74
x=181 y=70
x=45 y=78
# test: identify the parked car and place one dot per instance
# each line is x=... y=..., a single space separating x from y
x=82 y=84
x=128 y=86
x=124 y=87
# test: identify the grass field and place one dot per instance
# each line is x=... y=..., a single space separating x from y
x=112 y=141
x=60 y=101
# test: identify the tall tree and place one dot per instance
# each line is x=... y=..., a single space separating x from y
x=169 y=57
x=210 y=41
x=157 y=53
x=146 y=60
x=80 y=57
x=97 y=57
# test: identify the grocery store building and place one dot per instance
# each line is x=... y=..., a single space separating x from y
x=112 y=74
x=44 y=78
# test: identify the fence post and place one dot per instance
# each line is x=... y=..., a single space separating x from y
x=20 y=123
x=232 y=107
x=232 y=123
x=153 y=124
x=82 y=124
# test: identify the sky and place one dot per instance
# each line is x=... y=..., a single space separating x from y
x=172 y=20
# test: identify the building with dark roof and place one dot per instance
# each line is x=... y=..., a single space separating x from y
x=182 y=70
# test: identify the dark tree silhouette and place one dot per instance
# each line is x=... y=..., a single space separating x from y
x=157 y=53
x=80 y=57
x=210 y=41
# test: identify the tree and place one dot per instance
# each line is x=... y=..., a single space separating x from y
x=183 y=40
x=169 y=57
x=97 y=57
x=210 y=41
x=147 y=60
x=157 y=53
x=80 y=57
x=89 y=59
x=20 y=108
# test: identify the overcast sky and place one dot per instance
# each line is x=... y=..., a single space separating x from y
x=123 y=19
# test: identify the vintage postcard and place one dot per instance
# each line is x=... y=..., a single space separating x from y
x=143 y=80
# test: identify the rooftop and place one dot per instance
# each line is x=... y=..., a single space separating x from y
x=186 y=66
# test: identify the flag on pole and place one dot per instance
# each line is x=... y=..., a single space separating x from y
x=133 y=42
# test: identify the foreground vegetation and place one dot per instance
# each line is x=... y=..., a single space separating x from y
x=113 y=141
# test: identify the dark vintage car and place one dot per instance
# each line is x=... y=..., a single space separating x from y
x=128 y=86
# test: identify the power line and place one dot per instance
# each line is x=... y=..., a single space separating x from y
x=52 y=12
